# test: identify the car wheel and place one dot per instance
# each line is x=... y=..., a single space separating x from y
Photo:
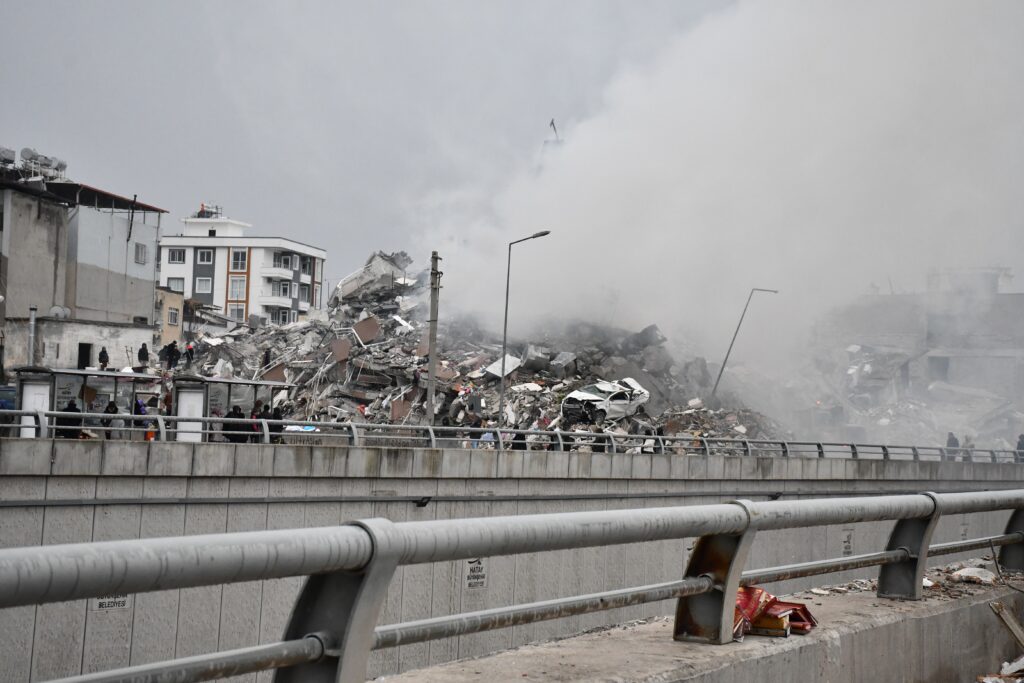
x=600 y=416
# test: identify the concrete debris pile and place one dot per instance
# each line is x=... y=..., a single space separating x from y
x=368 y=362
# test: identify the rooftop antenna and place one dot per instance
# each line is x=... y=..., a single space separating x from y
x=555 y=128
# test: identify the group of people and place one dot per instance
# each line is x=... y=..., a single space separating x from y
x=954 y=447
x=169 y=356
x=70 y=427
x=237 y=432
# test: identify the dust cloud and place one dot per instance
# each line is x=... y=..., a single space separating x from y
x=814 y=148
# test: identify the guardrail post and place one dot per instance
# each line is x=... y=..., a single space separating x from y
x=821 y=450
x=355 y=434
x=902 y=580
x=42 y=424
x=708 y=617
x=994 y=458
x=1012 y=556
x=917 y=456
x=746 y=447
x=705 y=447
x=265 y=431
x=785 y=449
x=853 y=451
x=161 y=428
x=341 y=609
x=433 y=439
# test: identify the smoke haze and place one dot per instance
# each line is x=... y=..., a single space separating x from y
x=814 y=148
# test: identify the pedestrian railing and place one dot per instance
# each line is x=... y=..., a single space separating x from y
x=333 y=624
x=35 y=424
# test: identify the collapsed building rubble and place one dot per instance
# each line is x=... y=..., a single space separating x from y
x=367 y=362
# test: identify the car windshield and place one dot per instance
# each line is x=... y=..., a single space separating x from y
x=601 y=389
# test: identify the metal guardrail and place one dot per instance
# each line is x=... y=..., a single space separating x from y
x=333 y=625
x=249 y=430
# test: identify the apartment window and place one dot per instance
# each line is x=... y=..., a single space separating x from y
x=282 y=260
x=316 y=296
x=204 y=285
x=238 y=259
x=204 y=256
x=172 y=316
x=236 y=311
x=281 y=288
x=295 y=316
x=176 y=284
x=304 y=293
x=307 y=265
x=173 y=255
x=319 y=275
x=140 y=253
x=236 y=287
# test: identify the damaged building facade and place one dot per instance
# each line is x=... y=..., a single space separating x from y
x=214 y=264
x=85 y=258
x=919 y=365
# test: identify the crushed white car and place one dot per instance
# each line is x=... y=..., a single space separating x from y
x=604 y=400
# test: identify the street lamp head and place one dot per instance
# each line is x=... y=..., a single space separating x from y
x=770 y=291
x=542 y=233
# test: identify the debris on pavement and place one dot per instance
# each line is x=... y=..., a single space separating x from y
x=758 y=612
x=974 y=575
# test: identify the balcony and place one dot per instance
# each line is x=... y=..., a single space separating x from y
x=304 y=306
x=268 y=299
x=305 y=278
x=276 y=273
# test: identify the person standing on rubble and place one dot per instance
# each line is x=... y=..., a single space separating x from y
x=143 y=354
x=104 y=358
x=257 y=409
x=190 y=354
x=952 y=445
x=173 y=355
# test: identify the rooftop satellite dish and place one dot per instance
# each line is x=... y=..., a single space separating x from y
x=59 y=312
x=28 y=154
x=60 y=164
x=7 y=156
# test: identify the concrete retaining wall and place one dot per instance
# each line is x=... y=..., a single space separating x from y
x=66 y=492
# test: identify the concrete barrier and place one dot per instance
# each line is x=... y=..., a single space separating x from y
x=61 y=492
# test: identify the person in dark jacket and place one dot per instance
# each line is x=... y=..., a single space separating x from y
x=1020 y=446
x=139 y=409
x=104 y=358
x=190 y=354
x=143 y=354
x=234 y=431
x=69 y=427
x=173 y=355
x=111 y=409
x=276 y=429
x=519 y=441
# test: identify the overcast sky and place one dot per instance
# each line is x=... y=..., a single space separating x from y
x=329 y=122
x=816 y=148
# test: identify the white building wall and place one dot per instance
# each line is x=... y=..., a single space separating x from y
x=220 y=277
x=182 y=270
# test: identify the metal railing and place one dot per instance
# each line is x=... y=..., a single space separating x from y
x=333 y=625
x=253 y=430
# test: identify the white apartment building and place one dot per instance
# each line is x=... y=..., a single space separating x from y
x=214 y=262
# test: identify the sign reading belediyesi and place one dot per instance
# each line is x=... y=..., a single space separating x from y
x=476 y=574
x=119 y=601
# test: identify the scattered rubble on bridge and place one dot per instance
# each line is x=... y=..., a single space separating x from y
x=367 y=362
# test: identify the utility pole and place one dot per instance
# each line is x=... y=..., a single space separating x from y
x=435 y=291
x=721 y=370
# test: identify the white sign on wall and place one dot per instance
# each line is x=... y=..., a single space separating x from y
x=109 y=602
x=476 y=574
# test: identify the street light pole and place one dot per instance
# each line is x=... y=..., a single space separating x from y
x=721 y=370
x=504 y=333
